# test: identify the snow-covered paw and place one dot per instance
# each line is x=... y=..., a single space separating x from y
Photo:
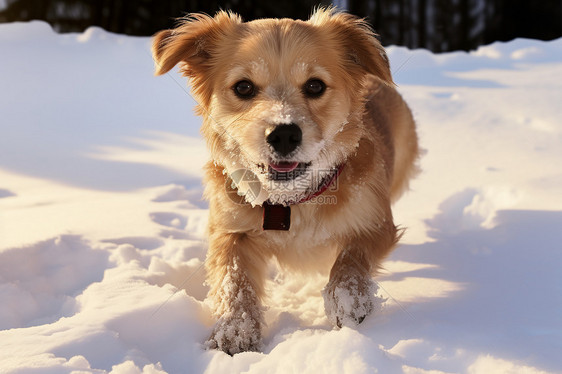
x=236 y=334
x=349 y=299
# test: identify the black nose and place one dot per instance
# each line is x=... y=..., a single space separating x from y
x=285 y=138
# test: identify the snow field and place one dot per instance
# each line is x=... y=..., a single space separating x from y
x=102 y=227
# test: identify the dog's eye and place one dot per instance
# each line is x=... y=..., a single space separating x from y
x=314 y=88
x=244 y=89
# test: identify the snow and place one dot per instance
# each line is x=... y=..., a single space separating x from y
x=102 y=227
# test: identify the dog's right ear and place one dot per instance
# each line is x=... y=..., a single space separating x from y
x=192 y=42
x=357 y=38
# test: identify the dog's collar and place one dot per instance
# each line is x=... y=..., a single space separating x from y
x=278 y=216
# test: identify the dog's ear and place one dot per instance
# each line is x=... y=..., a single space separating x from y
x=194 y=45
x=357 y=38
x=192 y=42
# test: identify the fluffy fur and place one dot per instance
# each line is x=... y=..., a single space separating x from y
x=359 y=120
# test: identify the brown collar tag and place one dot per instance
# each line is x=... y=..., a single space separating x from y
x=276 y=217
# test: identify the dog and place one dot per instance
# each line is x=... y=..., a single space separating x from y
x=310 y=143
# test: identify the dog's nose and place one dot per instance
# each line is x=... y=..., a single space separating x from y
x=285 y=138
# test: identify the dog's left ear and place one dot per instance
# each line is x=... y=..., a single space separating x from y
x=356 y=37
x=193 y=45
x=192 y=42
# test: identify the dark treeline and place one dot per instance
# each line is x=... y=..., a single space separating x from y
x=446 y=25
x=438 y=25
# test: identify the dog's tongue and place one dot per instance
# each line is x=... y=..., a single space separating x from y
x=284 y=167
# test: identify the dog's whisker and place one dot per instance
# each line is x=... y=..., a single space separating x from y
x=225 y=131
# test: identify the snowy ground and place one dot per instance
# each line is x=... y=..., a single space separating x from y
x=102 y=224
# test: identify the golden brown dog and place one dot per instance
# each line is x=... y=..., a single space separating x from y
x=310 y=144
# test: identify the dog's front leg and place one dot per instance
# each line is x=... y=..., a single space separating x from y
x=235 y=274
x=349 y=296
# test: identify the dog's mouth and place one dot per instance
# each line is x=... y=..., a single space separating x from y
x=285 y=170
x=283 y=167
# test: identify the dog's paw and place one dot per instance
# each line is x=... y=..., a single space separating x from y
x=349 y=299
x=236 y=334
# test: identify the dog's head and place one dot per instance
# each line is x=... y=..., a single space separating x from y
x=280 y=97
